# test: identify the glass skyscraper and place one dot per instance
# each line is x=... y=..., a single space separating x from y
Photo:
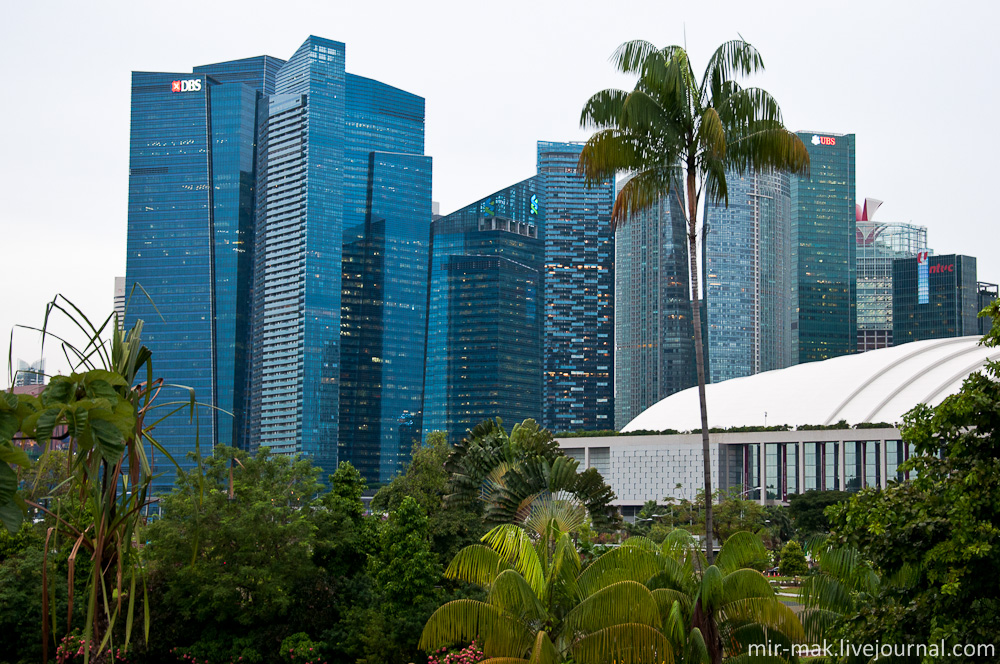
x=749 y=282
x=654 y=337
x=578 y=329
x=823 y=242
x=878 y=245
x=250 y=181
x=934 y=297
x=484 y=332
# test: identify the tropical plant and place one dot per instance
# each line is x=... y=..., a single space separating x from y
x=640 y=602
x=680 y=137
x=512 y=476
x=100 y=412
x=793 y=560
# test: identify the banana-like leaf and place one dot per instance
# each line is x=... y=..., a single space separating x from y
x=465 y=620
x=624 y=644
x=621 y=564
x=511 y=593
x=476 y=564
x=617 y=604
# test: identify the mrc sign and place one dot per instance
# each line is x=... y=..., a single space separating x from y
x=191 y=85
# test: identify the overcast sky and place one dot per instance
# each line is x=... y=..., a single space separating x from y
x=915 y=81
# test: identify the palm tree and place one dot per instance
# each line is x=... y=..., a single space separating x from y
x=641 y=602
x=680 y=136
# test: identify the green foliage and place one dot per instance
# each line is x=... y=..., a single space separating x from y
x=934 y=539
x=506 y=475
x=638 y=602
x=793 y=560
x=840 y=424
x=300 y=649
x=808 y=510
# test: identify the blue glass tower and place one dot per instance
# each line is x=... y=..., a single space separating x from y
x=191 y=189
x=579 y=287
x=748 y=279
x=484 y=332
x=250 y=182
x=654 y=336
x=823 y=239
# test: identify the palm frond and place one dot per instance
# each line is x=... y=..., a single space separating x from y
x=768 y=612
x=644 y=543
x=640 y=192
x=476 y=564
x=603 y=109
x=616 y=604
x=515 y=548
x=745 y=583
x=624 y=644
x=733 y=58
x=466 y=620
x=511 y=593
x=768 y=147
x=741 y=550
x=630 y=57
x=667 y=598
x=621 y=564
x=674 y=575
x=544 y=651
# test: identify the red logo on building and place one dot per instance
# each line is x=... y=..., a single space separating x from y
x=827 y=140
x=938 y=269
x=175 y=86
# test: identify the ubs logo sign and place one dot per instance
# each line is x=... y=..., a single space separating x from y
x=824 y=140
x=192 y=85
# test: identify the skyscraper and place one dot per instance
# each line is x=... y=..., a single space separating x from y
x=578 y=327
x=654 y=337
x=878 y=245
x=484 y=332
x=248 y=180
x=191 y=174
x=749 y=283
x=823 y=240
x=934 y=297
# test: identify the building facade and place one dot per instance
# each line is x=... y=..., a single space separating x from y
x=484 y=330
x=654 y=336
x=988 y=293
x=578 y=328
x=878 y=245
x=250 y=182
x=823 y=241
x=749 y=284
x=934 y=297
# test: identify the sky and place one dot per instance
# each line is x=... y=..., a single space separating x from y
x=914 y=81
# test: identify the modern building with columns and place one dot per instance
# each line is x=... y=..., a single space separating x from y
x=838 y=423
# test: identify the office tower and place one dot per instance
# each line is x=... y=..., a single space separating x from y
x=30 y=373
x=578 y=328
x=823 y=239
x=934 y=297
x=654 y=337
x=248 y=177
x=987 y=294
x=484 y=330
x=120 y=300
x=191 y=174
x=878 y=245
x=749 y=284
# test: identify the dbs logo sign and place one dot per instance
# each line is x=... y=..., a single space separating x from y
x=193 y=85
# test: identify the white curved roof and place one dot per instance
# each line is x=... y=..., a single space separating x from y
x=877 y=386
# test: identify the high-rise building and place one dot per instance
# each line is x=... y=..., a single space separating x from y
x=749 y=277
x=191 y=177
x=251 y=182
x=120 y=300
x=934 y=297
x=578 y=329
x=823 y=242
x=484 y=331
x=878 y=245
x=987 y=294
x=30 y=373
x=654 y=337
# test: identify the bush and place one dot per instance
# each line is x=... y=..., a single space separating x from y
x=793 y=561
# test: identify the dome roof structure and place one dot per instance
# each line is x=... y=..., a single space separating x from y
x=877 y=386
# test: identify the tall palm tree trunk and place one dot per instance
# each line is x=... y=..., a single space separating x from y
x=699 y=352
